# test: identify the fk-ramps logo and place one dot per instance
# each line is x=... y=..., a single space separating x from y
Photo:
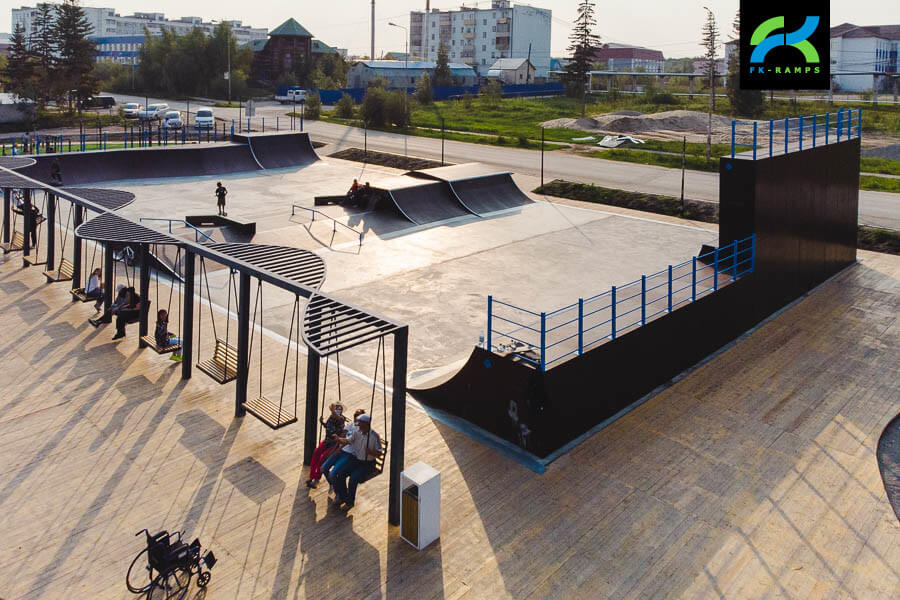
x=784 y=49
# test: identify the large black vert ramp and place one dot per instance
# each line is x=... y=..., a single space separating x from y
x=281 y=150
x=490 y=193
x=424 y=202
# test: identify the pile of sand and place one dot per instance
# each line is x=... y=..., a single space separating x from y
x=631 y=122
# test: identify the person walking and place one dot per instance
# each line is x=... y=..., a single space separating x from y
x=55 y=172
x=221 y=192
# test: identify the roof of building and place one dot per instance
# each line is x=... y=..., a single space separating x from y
x=849 y=30
x=608 y=51
x=320 y=47
x=292 y=28
x=256 y=45
x=414 y=65
x=509 y=64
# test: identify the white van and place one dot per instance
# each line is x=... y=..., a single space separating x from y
x=204 y=118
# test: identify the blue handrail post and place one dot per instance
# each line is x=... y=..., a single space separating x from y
x=232 y=127
x=732 y=137
x=801 y=132
x=716 y=270
x=785 y=135
x=754 y=140
x=859 y=123
x=734 y=260
x=849 y=123
x=543 y=341
x=814 y=130
x=37 y=144
x=826 y=127
x=771 y=132
x=490 y=316
x=670 y=288
x=643 y=300
x=840 y=123
x=580 y=326
x=694 y=279
x=612 y=319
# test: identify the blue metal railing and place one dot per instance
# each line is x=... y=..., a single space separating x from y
x=803 y=131
x=197 y=233
x=543 y=339
x=334 y=222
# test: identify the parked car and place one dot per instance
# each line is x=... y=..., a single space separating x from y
x=153 y=112
x=131 y=110
x=98 y=102
x=205 y=118
x=289 y=94
x=172 y=120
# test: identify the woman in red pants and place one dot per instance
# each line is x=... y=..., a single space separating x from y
x=334 y=427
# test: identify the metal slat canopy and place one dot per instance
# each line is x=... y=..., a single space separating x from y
x=110 y=227
x=16 y=162
x=330 y=326
x=294 y=264
x=105 y=198
x=11 y=180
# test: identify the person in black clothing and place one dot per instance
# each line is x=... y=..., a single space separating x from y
x=221 y=192
x=31 y=221
x=55 y=172
x=129 y=312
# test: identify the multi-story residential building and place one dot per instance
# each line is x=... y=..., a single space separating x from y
x=479 y=36
x=868 y=52
x=622 y=57
x=119 y=38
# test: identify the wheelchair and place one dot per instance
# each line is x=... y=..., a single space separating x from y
x=168 y=564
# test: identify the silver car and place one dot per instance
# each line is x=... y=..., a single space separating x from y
x=132 y=110
x=172 y=120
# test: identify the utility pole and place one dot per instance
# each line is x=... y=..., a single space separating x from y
x=372 y=57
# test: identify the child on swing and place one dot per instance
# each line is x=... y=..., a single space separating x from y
x=334 y=427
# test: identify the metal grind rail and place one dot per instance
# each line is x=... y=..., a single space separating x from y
x=197 y=233
x=543 y=339
x=334 y=222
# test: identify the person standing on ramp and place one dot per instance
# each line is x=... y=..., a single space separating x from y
x=221 y=192
x=55 y=172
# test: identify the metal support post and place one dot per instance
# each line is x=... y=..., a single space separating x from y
x=771 y=136
x=694 y=279
x=801 y=132
x=643 y=300
x=859 y=123
x=143 y=328
x=311 y=426
x=542 y=157
x=109 y=269
x=76 y=249
x=612 y=309
x=398 y=423
x=785 y=135
x=29 y=222
x=670 y=288
x=51 y=231
x=814 y=130
x=243 y=367
x=187 y=311
x=489 y=323
x=716 y=271
x=754 y=140
x=827 y=115
x=543 y=341
x=580 y=326
x=732 y=137
x=7 y=197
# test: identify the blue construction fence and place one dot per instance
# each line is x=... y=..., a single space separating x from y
x=544 y=339
x=793 y=134
x=553 y=88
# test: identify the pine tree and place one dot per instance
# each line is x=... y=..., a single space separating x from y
x=42 y=44
x=583 y=43
x=19 y=75
x=710 y=40
x=76 y=52
x=744 y=102
x=442 y=74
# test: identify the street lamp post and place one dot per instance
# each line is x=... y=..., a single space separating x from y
x=405 y=87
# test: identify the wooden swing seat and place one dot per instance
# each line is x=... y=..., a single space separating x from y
x=64 y=273
x=222 y=367
x=268 y=412
x=149 y=341
x=16 y=244
x=379 y=463
x=78 y=294
x=33 y=260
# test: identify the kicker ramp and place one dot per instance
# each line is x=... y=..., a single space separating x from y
x=422 y=201
x=280 y=150
x=480 y=188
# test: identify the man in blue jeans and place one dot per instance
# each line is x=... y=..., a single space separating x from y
x=366 y=446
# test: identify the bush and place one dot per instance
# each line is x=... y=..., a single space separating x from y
x=522 y=140
x=397 y=109
x=424 y=91
x=501 y=140
x=467 y=100
x=492 y=93
x=313 y=106
x=345 y=107
x=662 y=98
x=372 y=109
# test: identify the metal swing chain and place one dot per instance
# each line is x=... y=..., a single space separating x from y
x=287 y=358
x=65 y=233
x=252 y=327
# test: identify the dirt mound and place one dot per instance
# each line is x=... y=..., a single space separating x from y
x=631 y=122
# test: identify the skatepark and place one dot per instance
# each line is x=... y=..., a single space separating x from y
x=424 y=259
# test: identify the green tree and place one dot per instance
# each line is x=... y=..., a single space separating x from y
x=442 y=74
x=710 y=40
x=424 y=91
x=492 y=93
x=19 y=75
x=372 y=109
x=345 y=107
x=43 y=47
x=396 y=109
x=75 y=51
x=313 y=106
x=582 y=45
x=746 y=103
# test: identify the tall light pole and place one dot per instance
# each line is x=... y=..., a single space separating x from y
x=405 y=86
x=227 y=27
x=372 y=57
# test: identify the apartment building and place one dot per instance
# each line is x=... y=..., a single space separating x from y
x=478 y=37
x=870 y=53
x=119 y=38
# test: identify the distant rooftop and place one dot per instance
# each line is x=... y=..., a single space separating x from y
x=849 y=30
x=291 y=28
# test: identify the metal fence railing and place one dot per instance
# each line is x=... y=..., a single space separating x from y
x=197 y=233
x=767 y=138
x=544 y=339
x=334 y=222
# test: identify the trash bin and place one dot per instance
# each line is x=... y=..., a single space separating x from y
x=420 y=505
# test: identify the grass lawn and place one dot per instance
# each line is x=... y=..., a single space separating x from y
x=879 y=184
x=879 y=165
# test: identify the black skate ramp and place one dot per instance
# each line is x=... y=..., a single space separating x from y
x=480 y=188
x=280 y=150
x=423 y=201
x=145 y=163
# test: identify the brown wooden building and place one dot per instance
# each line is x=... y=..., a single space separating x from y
x=289 y=45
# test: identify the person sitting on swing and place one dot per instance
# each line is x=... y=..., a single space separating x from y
x=334 y=427
x=165 y=338
x=336 y=459
x=129 y=312
x=94 y=287
x=119 y=302
x=366 y=445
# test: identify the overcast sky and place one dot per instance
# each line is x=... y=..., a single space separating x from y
x=672 y=26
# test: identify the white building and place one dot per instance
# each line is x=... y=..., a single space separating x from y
x=512 y=71
x=120 y=38
x=867 y=52
x=479 y=36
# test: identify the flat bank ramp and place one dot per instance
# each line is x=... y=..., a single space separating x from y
x=423 y=201
x=281 y=150
x=481 y=188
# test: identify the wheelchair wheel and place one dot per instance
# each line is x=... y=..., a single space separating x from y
x=141 y=576
x=176 y=582
x=203 y=579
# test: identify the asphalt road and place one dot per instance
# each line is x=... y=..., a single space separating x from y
x=875 y=208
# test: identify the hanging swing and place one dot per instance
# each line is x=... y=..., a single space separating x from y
x=273 y=414
x=34 y=258
x=64 y=269
x=223 y=365
x=17 y=241
x=79 y=293
x=340 y=398
x=150 y=339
